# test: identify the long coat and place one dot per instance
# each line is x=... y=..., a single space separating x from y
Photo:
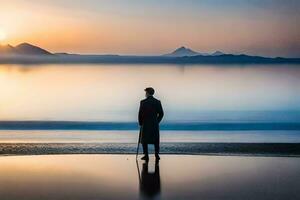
x=150 y=114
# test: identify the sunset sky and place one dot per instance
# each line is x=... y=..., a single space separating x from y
x=151 y=27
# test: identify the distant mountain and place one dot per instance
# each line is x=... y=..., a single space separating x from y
x=29 y=54
x=30 y=49
x=217 y=53
x=181 y=52
x=23 y=49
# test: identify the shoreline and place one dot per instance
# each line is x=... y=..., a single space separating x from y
x=224 y=59
x=218 y=149
x=164 y=154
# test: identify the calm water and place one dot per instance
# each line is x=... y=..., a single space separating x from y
x=111 y=93
x=175 y=177
x=118 y=137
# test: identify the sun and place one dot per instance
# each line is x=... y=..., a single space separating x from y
x=2 y=35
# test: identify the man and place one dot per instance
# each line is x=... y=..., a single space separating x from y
x=150 y=115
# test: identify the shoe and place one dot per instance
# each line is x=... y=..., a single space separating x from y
x=146 y=158
x=157 y=157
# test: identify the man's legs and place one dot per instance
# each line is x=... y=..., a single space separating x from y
x=145 y=150
x=156 y=147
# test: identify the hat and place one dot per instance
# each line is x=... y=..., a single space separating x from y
x=149 y=90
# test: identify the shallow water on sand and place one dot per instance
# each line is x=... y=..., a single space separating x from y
x=175 y=177
x=56 y=136
x=283 y=143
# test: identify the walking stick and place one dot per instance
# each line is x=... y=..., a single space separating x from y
x=138 y=170
x=138 y=146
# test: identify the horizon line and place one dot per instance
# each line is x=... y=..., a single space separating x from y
x=199 y=53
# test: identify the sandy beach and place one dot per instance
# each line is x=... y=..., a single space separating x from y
x=175 y=177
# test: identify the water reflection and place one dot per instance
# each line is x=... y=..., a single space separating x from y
x=80 y=177
x=149 y=181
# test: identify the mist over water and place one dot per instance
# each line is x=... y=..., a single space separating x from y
x=113 y=92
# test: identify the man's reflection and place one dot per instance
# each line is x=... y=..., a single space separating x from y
x=150 y=182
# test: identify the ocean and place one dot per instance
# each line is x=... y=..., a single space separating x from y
x=93 y=108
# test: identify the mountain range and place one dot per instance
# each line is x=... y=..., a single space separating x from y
x=26 y=53
x=23 y=49
x=183 y=51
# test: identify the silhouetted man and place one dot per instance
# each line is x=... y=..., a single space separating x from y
x=150 y=115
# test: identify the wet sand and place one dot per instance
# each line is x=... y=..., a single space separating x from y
x=249 y=149
x=175 y=177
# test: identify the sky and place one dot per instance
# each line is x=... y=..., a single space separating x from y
x=153 y=27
